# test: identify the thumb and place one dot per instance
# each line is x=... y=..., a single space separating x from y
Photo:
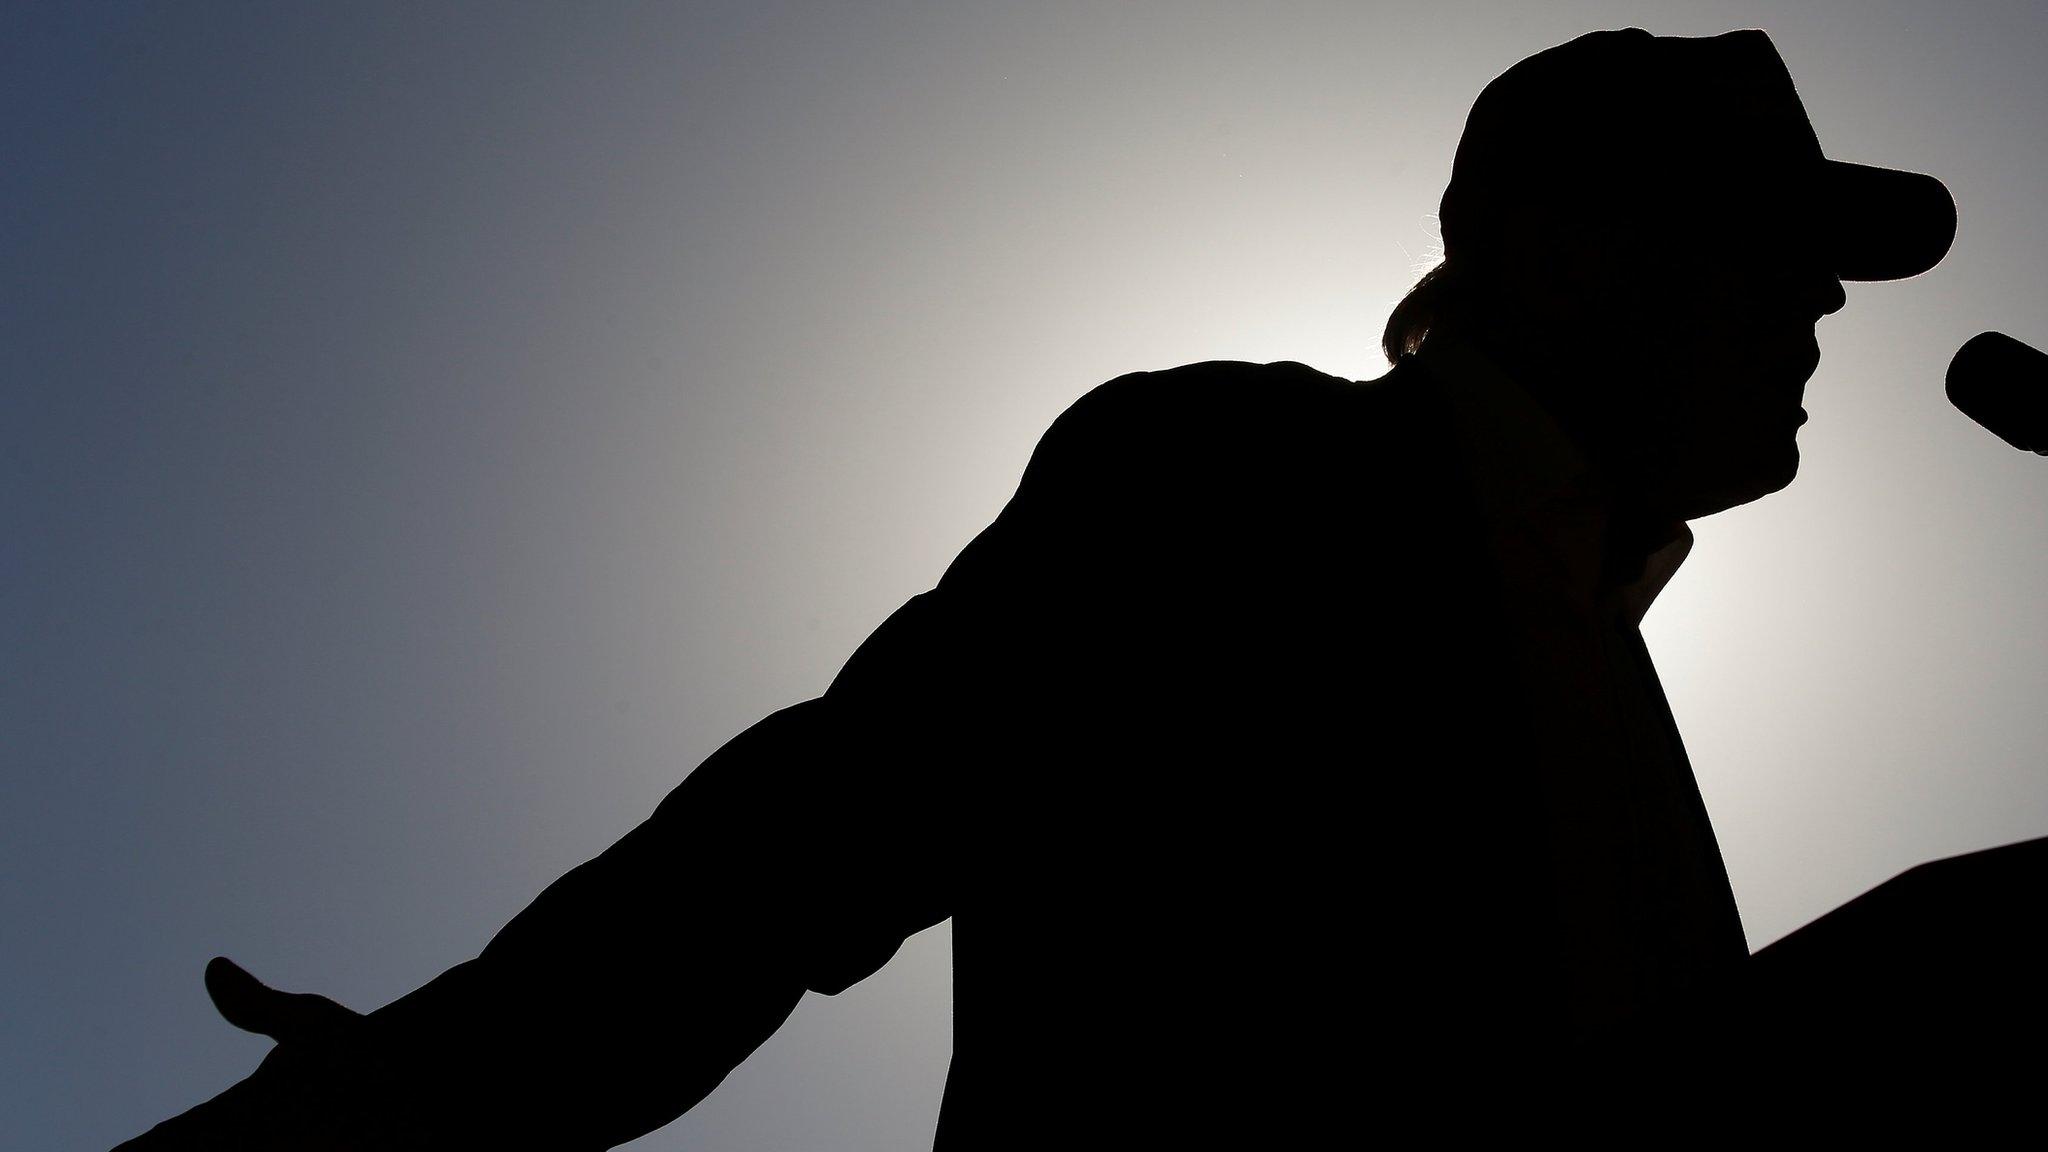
x=286 y=1017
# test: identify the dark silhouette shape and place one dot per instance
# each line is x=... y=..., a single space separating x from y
x=1285 y=754
x=2002 y=384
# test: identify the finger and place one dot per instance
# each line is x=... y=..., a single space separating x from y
x=287 y=1017
x=243 y=1000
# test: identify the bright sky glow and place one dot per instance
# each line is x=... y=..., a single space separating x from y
x=427 y=436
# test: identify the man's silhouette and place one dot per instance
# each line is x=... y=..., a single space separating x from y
x=1285 y=755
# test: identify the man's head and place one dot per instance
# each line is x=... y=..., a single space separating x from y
x=1645 y=231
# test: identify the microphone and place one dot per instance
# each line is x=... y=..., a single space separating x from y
x=2002 y=384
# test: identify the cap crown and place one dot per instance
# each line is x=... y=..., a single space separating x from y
x=1623 y=123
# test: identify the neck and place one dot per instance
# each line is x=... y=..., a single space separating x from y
x=1594 y=404
x=1641 y=517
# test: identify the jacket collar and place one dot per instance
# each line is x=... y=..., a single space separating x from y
x=1531 y=481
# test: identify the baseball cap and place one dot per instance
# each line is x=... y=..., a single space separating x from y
x=1623 y=122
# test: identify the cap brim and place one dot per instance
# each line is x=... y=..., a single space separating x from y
x=1884 y=224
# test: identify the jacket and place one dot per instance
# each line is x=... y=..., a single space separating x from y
x=1227 y=750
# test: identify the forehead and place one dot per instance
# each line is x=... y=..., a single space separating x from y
x=1724 y=211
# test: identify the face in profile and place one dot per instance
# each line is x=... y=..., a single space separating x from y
x=1720 y=341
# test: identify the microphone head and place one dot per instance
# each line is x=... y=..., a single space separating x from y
x=2002 y=384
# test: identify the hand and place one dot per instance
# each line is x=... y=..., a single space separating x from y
x=310 y=1091
x=298 y=1018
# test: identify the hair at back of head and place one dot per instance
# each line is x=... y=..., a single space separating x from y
x=1424 y=309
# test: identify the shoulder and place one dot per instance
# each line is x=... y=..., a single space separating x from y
x=1228 y=417
x=1220 y=454
x=1160 y=416
x=1212 y=390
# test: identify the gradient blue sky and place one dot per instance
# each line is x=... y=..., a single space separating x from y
x=425 y=435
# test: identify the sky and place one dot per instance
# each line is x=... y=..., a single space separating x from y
x=427 y=433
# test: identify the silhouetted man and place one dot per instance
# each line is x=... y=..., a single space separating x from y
x=1285 y=754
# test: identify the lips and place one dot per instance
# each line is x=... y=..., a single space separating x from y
x=1811 y=361
x=1809 y=364
x=1790 y=382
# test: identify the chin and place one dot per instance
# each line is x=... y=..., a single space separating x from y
x=1781 y=470
x=1765 y=475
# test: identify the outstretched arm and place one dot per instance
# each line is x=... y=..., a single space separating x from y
x=629 y=989
x=799 y=856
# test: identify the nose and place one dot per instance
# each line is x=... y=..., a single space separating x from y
x=1802 y=287
x=1827 y=296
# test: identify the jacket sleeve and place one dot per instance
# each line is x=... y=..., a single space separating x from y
x=798 y=856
